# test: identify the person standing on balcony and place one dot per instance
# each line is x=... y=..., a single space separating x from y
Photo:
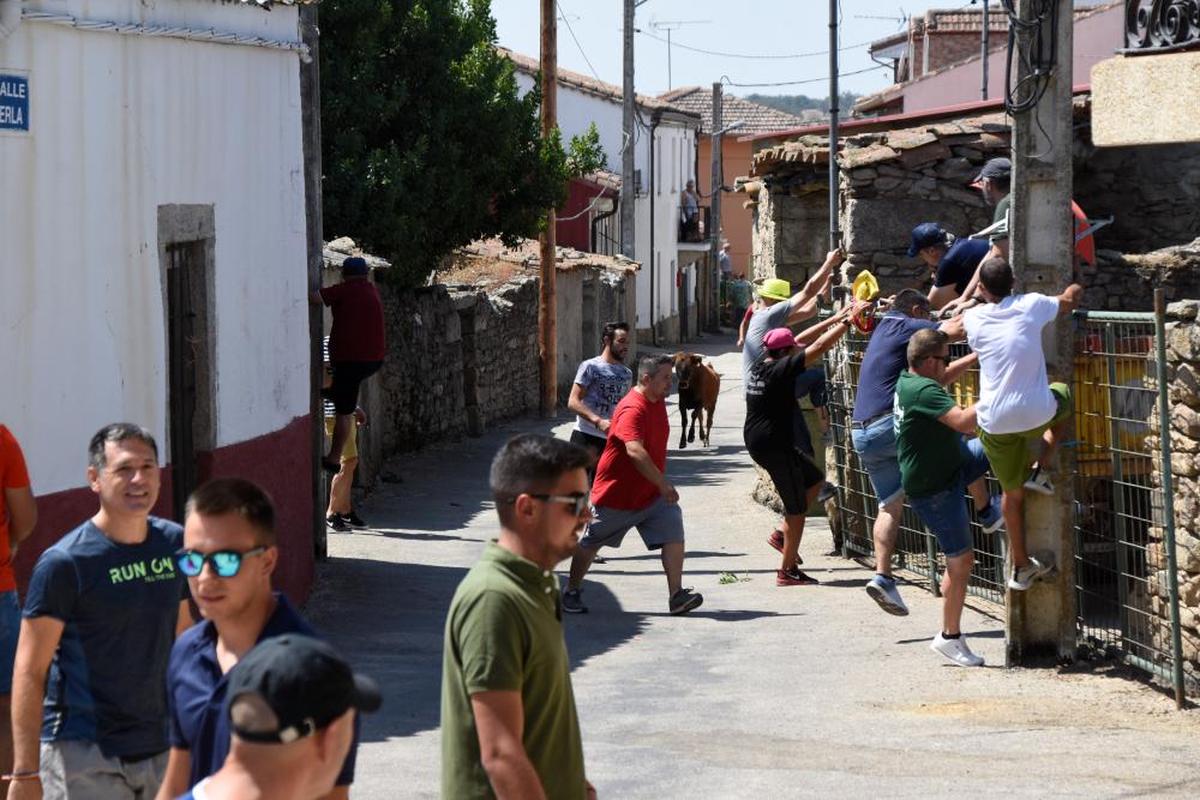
x=689 y=206
x=1017 y=403
x=936 y=465
x=873 y=430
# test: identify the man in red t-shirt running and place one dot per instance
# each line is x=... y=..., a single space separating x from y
x=631 y=489
x=356 y=347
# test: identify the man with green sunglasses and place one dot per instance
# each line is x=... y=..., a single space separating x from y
x=229 y=554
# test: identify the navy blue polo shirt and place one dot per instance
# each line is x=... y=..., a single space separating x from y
x=196 y=693
x=959 y=263
x=882 y=363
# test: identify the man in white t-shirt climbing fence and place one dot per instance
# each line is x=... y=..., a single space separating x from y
x=1017 y=403
x=779 y=310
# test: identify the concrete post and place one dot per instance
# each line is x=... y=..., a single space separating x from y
x=713 y=269
x=1040 y=622
x=628 y=190
x=310 y=115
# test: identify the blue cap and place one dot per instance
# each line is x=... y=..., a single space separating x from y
x=925 y=235
x=354 y=266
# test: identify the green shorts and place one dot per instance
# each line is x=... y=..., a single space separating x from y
x=1008 y=453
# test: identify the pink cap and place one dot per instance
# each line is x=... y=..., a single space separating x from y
x=778 y=339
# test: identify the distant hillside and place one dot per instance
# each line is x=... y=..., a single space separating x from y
x=799 y=104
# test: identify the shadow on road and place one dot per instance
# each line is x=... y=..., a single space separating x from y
x=398 y=642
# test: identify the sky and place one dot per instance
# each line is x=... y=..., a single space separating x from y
x=733 y=27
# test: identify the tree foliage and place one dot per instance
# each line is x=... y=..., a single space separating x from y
x=426 y=144
x=797 y=103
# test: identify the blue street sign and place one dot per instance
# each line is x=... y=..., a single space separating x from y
x=14 y=102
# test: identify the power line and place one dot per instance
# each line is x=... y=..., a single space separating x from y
x=570 y=30
x=808 y=80
x=750 y=56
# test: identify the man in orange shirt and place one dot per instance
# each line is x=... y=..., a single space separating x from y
x=18 y=515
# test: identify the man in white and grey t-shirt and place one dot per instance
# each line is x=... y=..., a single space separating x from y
x=600 y=383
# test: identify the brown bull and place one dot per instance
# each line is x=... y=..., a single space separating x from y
x=699 y=385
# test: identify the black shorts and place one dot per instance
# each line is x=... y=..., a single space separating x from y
x=594 y=444
x=793 y=472
x=347 y=375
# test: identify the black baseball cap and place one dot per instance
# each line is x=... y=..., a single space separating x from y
x=994 y=168
x=304 y=682
x=925 y=235
x=355 y=265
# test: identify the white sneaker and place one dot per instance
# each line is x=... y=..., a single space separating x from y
x=1023 y=577
x=956 y=650
x=1039 y=482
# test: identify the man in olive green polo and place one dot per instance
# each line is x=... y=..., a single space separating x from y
x=509 y=725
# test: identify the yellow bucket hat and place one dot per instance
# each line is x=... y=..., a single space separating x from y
x=775 y=289
x=865 y=287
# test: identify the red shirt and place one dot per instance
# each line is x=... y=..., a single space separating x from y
x=357 y=333
x=13 y=475
x=618 y=483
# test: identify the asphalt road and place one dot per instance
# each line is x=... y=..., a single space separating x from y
x=764 y=691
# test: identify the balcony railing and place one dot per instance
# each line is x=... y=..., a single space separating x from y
x=693 y=224
x=1161 y=24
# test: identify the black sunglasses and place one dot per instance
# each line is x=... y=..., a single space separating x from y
x=944 y=359
x=226 y=563
x=577 y=501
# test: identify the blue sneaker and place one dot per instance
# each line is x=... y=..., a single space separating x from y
x=883 y=591
x=991 y=518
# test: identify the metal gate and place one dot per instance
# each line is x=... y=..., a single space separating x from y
x=1127 y=605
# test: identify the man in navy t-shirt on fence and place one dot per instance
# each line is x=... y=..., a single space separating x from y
x=872 y=429
x=953 y=261
x=229 y=555
x=103 y=608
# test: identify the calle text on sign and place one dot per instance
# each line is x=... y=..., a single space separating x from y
x=14 y=102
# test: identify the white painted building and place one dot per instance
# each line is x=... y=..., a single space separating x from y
x=153 y=221
x=666 y=284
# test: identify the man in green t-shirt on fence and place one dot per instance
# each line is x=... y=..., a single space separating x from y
x=509 y=725
x=936 y=467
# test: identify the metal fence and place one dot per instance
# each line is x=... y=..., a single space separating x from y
x=1124 y=606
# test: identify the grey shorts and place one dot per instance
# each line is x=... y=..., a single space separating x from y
x=658 y=524
x=77 y=770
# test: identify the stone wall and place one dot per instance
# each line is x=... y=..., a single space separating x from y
x=1126 y=282
x=892 y=180
x=1152 y=193
x=1183 y=374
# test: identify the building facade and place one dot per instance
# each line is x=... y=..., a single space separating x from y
x=664 y=161
x=155 y=204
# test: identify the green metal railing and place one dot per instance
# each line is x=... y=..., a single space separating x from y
x=1128 y=607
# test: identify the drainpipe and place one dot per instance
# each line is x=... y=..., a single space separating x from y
x=598 y=218
x=10 y=17
x=654 y=119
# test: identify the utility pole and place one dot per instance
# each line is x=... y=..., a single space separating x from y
x=628 y=190
x=835 y=234
x=547 y=310
x=310 y=115
x=714 y=219
x=983 y=56
x=1040 y=622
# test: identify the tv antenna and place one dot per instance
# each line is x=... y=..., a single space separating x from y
x=672 y=25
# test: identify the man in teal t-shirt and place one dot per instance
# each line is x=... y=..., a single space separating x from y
x=936 y=467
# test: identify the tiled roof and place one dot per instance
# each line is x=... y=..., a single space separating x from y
x=757 y=117
x=608 y=91
x=605 y=179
